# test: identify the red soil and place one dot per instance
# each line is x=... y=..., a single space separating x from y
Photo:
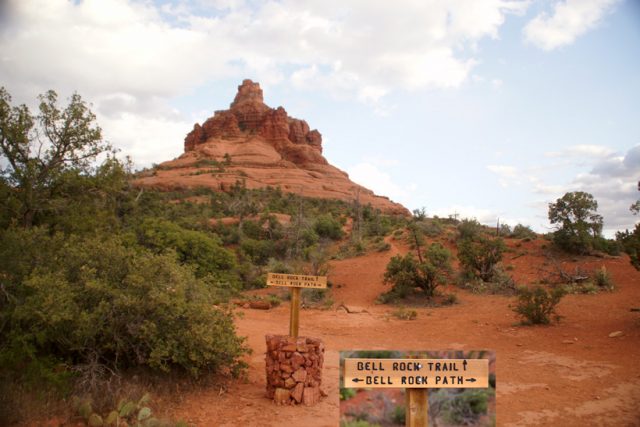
x=566 y=374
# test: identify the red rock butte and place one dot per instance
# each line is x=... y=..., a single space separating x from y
x=261 y=146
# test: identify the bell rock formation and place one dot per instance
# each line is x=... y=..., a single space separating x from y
x=260 y=146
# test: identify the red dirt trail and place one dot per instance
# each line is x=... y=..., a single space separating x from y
x=566 y=374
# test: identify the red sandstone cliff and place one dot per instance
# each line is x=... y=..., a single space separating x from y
x=261 y=146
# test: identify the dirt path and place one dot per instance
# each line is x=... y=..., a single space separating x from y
x=570 y=374
x=358 y=281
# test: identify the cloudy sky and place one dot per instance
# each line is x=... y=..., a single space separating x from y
x=485 y=108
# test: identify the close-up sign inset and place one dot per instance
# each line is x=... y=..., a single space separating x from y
x=416 y=373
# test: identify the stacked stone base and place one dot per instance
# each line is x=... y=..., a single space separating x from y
x=294 y=369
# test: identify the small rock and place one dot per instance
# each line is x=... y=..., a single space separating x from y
x=568 y=342
x=616 y=334
x=519 y=345
x=300 y=375
x=297 y=392
x=260 y=305
x=282 y=396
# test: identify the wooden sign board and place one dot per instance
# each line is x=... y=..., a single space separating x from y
x=416 y=373
x=296 y=281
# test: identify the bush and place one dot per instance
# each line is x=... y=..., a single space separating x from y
x=469 y=229
x=202 y=250
x=259 y=251
x=608 y=246
x=478 y=258
x=406 y=273
x=602 y=279
x=399 y=415
x=347 y=393
x=630 y=243
x=537 y=305
x=431 y=227
x=463 y=408
x=405 y=314
x=523 y=232
x=328 y=227
x=91 y=303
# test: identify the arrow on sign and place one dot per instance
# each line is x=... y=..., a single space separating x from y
x=357 y=380
x=471 y=380
x=464 y=364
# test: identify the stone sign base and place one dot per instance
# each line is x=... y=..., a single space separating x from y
x=294 y=369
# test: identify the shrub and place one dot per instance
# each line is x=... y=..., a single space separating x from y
x=406 y=273
x=431 y=227
x=523 y=232
x=405 y=314
x=202 y=250
x=537 y=305
x=469 y=229
x=259 y=251
x=91 y=303
x=399 y=415
x=463 y=408
x=478 y=258
x=329 y=227
x=608 y=246
x=347 y=393
x=602 y=278
x=630 y=243
x=504 y=230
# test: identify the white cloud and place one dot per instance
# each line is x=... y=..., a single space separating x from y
x=570 y=20
x=504 y=170
x=130 y=57
x=507 y=174
x=613 y=182
x=482 y=215
x=372 y=177
x=582 y=150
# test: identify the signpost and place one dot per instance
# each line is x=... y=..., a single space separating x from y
x=417 y=376
x=296 y=282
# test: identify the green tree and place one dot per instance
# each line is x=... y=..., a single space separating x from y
x=630 y=240
x=39 y=149
x=89 y=301
x=406 y=273
x=479 y=257
x=578 y=223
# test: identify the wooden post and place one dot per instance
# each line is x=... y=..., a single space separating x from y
x=294 y=319
x=417 y=407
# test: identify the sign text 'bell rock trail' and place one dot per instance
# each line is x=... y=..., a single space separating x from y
x=416 y=373
x=296 y=281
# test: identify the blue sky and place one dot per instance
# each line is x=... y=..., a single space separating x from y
x=488 y=108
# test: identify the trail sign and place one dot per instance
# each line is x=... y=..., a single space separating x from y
x=296 y=282
x=416 y=373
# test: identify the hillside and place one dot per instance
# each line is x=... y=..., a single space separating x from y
x=260 y=146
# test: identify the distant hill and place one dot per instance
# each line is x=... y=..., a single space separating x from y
x=260 y=146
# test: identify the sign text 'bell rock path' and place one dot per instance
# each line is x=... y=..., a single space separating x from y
x=416 y=373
